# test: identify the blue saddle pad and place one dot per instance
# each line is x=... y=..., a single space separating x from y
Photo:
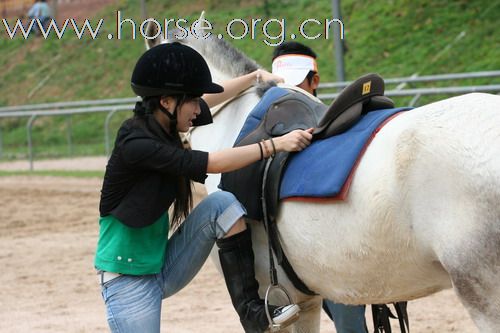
x=322 y=169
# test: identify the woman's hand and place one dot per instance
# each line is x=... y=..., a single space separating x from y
x=294 y=141
x=233 y=87
x=261 y=75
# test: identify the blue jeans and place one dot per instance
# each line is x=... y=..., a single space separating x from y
x=133 y=303
x=347 y=318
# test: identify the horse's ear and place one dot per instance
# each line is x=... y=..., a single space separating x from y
x=200 y=24
x=152 y=30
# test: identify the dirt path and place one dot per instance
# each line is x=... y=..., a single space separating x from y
x=47 y=238
x=95 y=163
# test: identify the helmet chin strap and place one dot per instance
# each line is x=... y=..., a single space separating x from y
x=172 y=116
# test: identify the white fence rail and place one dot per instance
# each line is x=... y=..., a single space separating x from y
x=112 y=106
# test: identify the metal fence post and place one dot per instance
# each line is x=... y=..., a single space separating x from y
x=29 y=125
x=1 y=144
x=69 y=121
x=415 y=99
x=338 y=42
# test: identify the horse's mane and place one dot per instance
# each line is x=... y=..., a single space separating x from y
x=265 y=86
x=224 y=56
x=220 y=54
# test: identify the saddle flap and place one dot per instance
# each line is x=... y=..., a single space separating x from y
x=273 y=182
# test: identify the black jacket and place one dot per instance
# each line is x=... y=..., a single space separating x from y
x=140 y=180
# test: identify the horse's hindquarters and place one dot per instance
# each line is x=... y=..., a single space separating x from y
x=423 y=207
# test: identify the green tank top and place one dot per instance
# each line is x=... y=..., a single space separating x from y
x=134 y=251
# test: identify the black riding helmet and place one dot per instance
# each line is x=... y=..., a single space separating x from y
x=175 y=70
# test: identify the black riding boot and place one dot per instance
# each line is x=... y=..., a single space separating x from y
x=237 y=261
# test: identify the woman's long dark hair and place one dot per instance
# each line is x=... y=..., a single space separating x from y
x=143 y=116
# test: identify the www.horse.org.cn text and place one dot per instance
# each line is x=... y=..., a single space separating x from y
x=271 y=32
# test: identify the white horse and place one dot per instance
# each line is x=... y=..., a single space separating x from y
x=422 y=213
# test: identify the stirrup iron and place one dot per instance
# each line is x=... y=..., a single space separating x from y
x=274 y=327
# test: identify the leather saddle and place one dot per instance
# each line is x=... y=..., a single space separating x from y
x=294 y=111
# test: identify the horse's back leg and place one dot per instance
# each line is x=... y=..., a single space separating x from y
x=481 y=300
x=475 y=273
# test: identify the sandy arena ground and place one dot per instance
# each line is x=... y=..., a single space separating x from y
x=47 y=238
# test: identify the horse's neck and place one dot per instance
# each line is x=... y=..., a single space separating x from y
x=225 y=62
x=218 y=75
x=223 y=132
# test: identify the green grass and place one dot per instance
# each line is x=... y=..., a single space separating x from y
x=393 y=38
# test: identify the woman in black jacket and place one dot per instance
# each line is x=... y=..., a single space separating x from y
x=148 y=171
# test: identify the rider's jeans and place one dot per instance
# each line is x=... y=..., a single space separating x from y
x=133 y=303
